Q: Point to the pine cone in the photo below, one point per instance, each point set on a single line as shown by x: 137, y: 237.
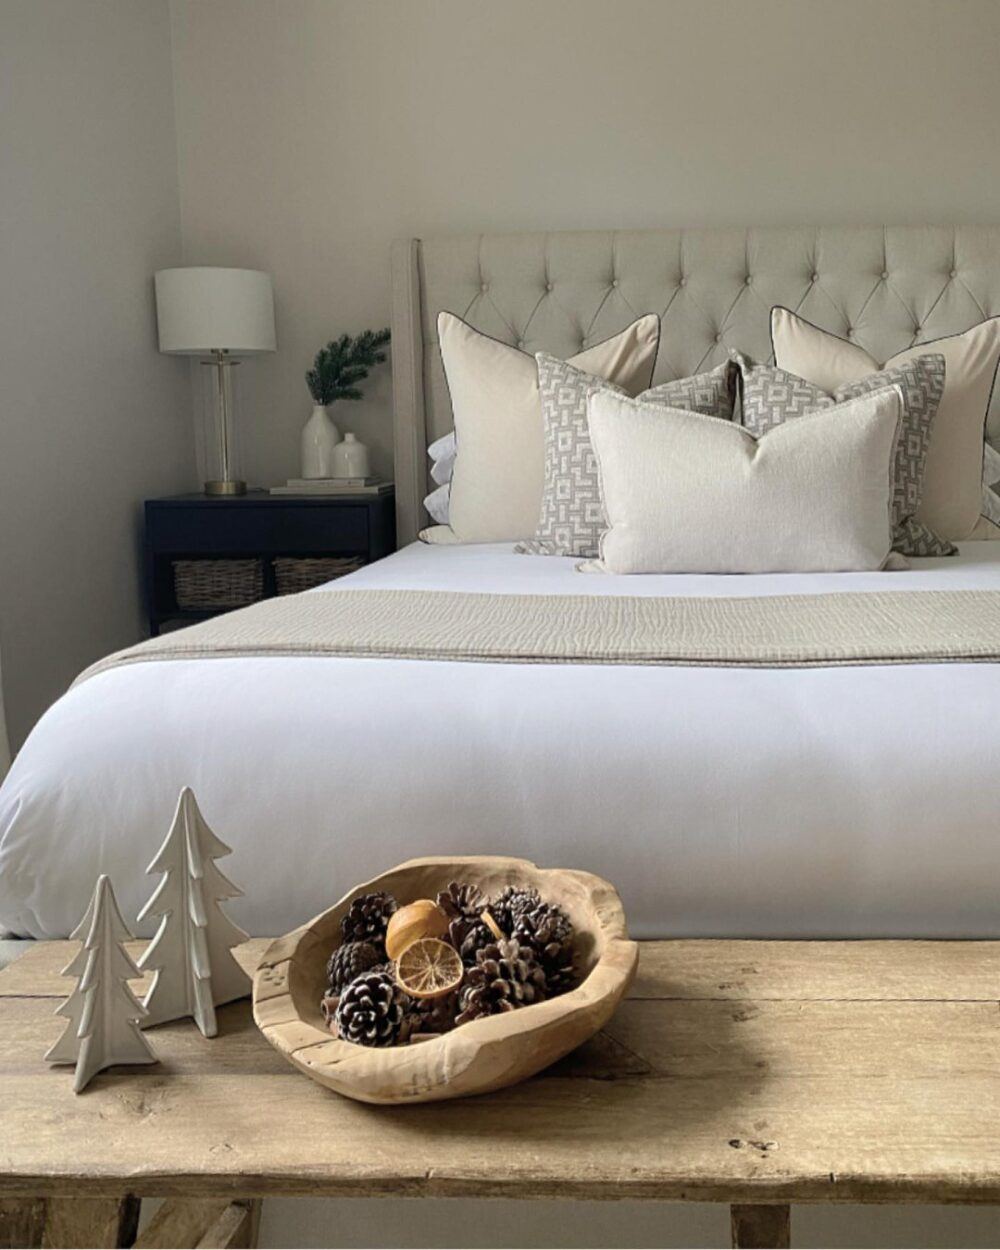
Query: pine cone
x: 348, y: 961
x: 505, y: 976
x: 372, y: 1010
x: 548, y: 918
x: 431, y: 1015
x: 469, y: 936
x: 548, y: 931
x: 461, y: 902
x: 510, y: 904
x: 367, y: 918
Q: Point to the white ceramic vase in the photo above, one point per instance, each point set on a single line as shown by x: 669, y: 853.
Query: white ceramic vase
x: 350, y: 458
x: 319, y: 437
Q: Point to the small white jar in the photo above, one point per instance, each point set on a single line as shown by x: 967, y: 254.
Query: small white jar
x: 350, y: 458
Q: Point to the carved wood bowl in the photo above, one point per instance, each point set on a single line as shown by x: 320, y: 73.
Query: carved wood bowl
x: 474, y: 1058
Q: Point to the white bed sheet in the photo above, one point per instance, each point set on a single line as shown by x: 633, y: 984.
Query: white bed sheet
x: 817, y: 802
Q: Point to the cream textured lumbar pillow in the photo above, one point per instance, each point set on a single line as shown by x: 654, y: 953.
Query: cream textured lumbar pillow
x: 952, y: 494
x: 686, y: 493
x: 496, y: 485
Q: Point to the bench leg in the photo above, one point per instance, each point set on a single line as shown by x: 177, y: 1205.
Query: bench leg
x: 235, y: 1229
x: 98, y: 1222
x: 211, y: 1224
x: 21, y: 1222
x: 760, y: 1226
x: 112, y: 1223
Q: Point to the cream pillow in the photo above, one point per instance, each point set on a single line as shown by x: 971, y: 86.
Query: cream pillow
x: 952, y: 495
x: 496, y: 485
x: 686, y: 493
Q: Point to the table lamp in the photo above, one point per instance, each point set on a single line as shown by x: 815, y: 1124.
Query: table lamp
x: 219, y: 314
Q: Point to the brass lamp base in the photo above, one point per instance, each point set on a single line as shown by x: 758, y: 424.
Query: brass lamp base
x: 226, y: 488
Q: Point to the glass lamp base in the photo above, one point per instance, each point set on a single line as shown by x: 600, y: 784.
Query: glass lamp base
x: 225, y: 488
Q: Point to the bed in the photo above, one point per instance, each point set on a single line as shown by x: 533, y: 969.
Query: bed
x: 857, y: 801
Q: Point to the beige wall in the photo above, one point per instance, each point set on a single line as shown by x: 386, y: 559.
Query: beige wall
x: 92, y: 418
x: 311, y: 132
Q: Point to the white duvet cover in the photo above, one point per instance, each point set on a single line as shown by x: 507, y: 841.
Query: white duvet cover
x: 814, y: 802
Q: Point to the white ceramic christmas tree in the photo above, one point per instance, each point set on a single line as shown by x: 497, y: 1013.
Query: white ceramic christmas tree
x: 190, y: 956
x: 102, y: 1011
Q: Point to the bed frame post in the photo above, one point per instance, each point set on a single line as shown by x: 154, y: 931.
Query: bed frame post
x: 409, y: 435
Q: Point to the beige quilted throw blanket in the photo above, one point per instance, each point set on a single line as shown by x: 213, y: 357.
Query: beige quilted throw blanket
x: 783, y: 631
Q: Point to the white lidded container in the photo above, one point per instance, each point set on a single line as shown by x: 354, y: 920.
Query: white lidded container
x: 350, y: 458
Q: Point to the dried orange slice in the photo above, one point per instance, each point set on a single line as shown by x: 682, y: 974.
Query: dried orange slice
x: 411, y: 923
x: 429, y: 968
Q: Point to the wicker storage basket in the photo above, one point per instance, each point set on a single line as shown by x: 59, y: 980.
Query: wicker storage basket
x: 292, y: 575
x: 202, y: 585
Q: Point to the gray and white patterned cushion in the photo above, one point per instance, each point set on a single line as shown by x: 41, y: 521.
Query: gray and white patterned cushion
x: 572, y: 518
x: 771, y: 396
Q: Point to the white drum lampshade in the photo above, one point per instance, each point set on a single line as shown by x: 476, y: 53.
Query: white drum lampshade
x: 219, y: 314
x: 200, y: 310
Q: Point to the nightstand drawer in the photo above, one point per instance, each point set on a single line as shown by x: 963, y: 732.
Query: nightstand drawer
x: 270, y: 527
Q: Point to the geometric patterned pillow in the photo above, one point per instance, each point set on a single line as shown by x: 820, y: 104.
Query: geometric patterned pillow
x: 772, y: 396
x: 572, y: 516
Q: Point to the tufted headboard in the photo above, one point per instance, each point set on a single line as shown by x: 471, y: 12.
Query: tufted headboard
x: 884, y: 287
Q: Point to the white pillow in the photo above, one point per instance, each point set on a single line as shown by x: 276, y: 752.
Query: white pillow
x: 436, y: 504
x: 441, y: 454
x: 442, y: 457
x: 496, y: 485
x: 952, y: 491
x: 686, y: 493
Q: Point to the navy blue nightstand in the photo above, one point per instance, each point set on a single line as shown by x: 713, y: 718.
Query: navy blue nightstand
x: 257, y: 526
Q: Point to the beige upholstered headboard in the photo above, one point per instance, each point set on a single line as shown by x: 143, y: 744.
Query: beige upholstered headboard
x: 885, y: 287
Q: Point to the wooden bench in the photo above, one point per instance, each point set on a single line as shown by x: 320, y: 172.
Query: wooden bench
x: 753, y: 1073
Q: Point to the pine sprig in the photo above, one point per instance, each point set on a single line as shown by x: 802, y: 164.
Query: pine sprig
x: 343, y: 363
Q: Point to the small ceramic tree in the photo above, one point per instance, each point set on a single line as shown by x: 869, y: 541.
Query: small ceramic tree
x: 67, y: 1049
x: 190, y: 956
x: 102, y: 1011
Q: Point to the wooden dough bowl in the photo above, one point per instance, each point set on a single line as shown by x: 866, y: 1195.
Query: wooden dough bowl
x: 483, y: 1055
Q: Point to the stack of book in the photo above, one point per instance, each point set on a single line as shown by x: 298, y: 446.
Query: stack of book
x: 333, y: 486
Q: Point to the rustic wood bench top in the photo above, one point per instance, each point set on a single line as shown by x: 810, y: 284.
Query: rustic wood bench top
x: 739, y: 1072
